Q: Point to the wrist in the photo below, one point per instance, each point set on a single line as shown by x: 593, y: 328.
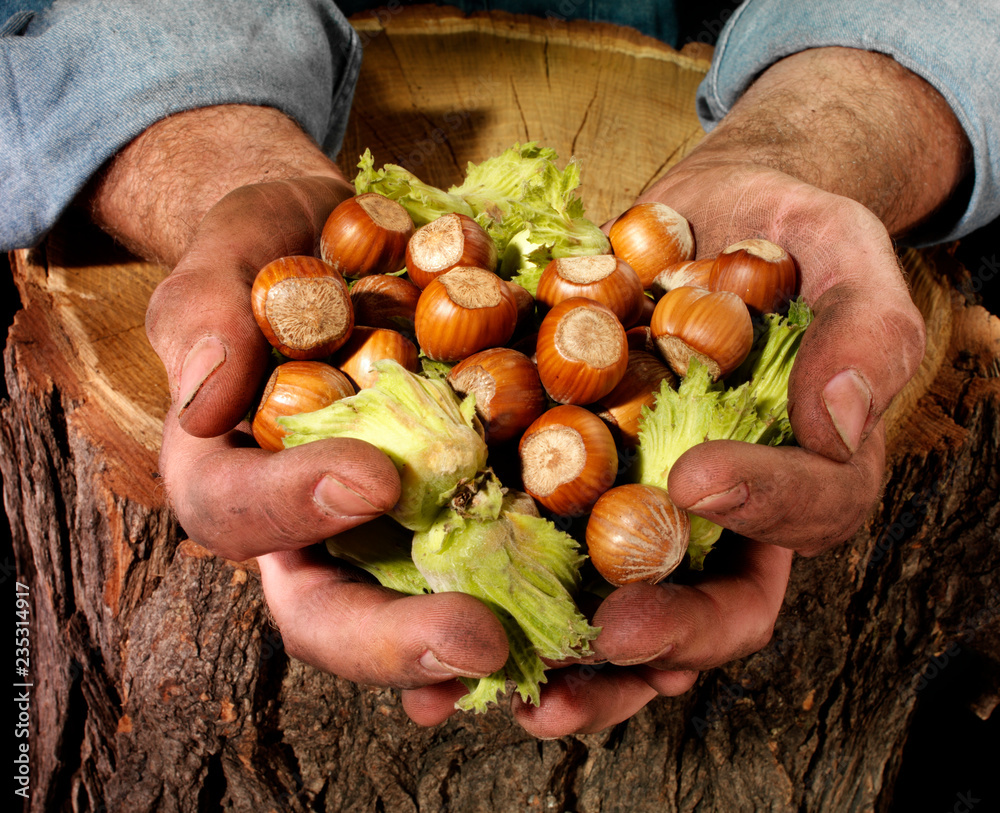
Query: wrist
x: 153, y: 195
x: 850, y: 122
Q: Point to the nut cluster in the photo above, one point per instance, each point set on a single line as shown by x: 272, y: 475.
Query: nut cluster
x: 563, y: 373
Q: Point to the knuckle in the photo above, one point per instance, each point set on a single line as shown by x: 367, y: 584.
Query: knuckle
x: 295, y: 648
x: 761, y: 638
x: 156, y: 307
x: 906, y: 335
x: 167, y: 314
x: 224, y: 545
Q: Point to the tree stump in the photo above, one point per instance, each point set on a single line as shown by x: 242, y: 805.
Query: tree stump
x: 157, y: 683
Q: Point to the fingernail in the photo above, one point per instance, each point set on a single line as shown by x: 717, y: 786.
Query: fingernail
x: 202, y: 360
x: 334, y: 496
x: 666, y: 653
x: 723, y: 501
x: 434, y: 667
x: 848, y: 401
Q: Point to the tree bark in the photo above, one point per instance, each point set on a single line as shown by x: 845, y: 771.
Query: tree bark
x: 158, y: 682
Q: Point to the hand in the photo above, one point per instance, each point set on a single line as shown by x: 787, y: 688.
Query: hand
x: 241, y: 501
x: 238, y: 500
x: 810, y: 159
x: 655, y: 639
x: 336, y: 620
x: 864, y: 344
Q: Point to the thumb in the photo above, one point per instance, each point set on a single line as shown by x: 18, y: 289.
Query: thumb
x: 199, y: 320
x: 857, y: 354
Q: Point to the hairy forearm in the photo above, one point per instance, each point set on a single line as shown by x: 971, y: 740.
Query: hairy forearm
x: 851, y: 122
x: 153, y: 194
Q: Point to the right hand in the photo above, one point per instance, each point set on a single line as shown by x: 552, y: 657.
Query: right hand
x: 240, y: 501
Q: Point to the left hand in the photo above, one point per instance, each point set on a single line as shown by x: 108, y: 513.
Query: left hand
x: 863, y: 346
x: 805, y: 498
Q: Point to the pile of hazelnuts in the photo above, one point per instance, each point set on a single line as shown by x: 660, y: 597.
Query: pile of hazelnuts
x: 564, y: 374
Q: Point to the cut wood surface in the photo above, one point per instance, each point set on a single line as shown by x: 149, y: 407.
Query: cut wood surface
x: 438, y: 91
x: 159, y: 684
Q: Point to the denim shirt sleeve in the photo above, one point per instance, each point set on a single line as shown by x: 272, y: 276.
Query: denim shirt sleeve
x: 79, y: 80
x: 953, y: 44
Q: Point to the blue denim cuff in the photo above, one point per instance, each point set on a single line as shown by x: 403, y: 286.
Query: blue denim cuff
x: 953, y: 44
x: 85, y: 78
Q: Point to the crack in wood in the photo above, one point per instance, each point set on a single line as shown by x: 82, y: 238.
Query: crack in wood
x: 583, y: 122
x: 520, y: 110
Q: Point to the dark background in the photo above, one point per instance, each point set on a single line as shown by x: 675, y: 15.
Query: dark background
x: 951, y: 752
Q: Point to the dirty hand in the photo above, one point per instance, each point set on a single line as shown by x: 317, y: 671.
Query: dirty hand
x: 238, y: 187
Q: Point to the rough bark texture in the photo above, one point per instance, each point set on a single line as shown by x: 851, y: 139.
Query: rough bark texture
x: 159, y: 684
